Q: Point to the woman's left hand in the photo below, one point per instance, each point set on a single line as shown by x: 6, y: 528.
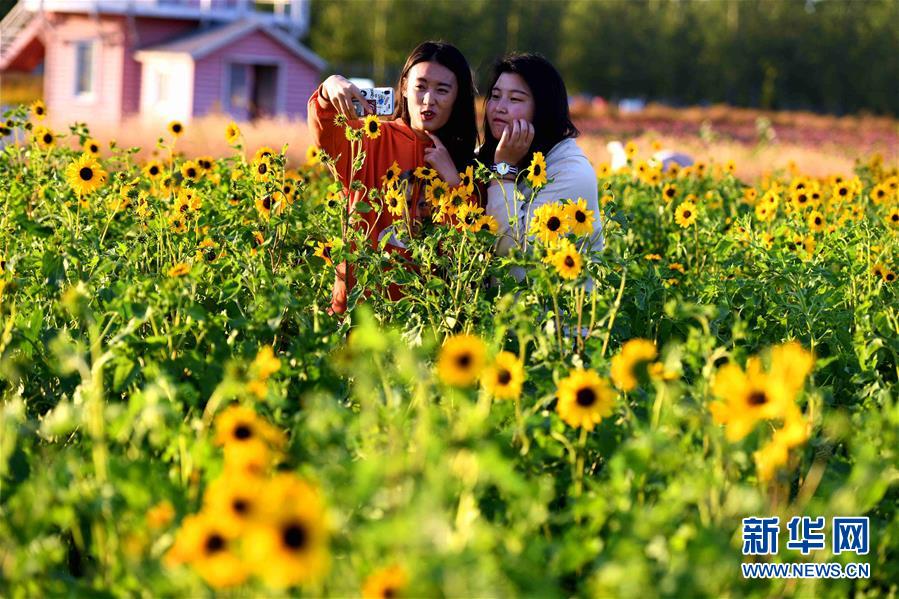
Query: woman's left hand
x: 440, y: 160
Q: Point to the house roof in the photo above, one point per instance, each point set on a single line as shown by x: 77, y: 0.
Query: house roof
x: 200, y: 44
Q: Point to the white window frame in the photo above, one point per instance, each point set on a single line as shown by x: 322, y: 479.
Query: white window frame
x: 90, y: 94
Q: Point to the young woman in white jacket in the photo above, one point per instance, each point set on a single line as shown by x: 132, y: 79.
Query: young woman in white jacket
x: 527, y: 111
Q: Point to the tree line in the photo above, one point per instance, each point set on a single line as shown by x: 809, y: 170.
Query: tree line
x: 836, y: 56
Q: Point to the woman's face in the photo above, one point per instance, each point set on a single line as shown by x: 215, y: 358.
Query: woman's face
x: 510, y: 99
x: 430, y: 90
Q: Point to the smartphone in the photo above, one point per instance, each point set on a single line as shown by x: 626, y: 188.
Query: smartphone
x: 379, y: 98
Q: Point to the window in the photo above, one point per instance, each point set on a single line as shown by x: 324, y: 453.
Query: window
x: 84, y: 67
x: 162, y: 87
x: 238, y: 92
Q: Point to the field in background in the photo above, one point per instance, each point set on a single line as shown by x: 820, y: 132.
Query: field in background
x: 759, y: 142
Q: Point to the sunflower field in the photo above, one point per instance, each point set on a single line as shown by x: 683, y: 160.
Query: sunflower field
x: 183, y: 416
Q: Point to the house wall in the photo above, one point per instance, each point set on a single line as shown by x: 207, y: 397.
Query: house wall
x: 296, y: 78
x: 146, y: 32
x: 104, y: 104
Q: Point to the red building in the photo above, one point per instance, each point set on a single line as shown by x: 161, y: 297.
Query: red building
x: 105, y: 60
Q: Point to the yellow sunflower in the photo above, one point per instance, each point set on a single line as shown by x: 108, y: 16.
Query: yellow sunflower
x: 436, y: 191
x: 395, y: 201
x: 537, y: 171
x: 232, y: 134
x: 892, y: 218
x: 176, y: 128
x: 85, y: 175
x: 154, y: 169
x: 288, y: 544
x: 190, y: 170
x: 233, y: 501
x: 264, y: 152
x: 91, y: 146
x: 566, y: 260
x: 747, y: 397
x: 39, y: 110
x: 461, y: 360
x: 467, y: 214
x: 425, y: 172
x: 584, y: 399
x: 816, y: 221
x: 504, y: 377
x: 386, y: 583
x: 685, y: 215
x: 179, y: 270
x: 269, y: 203
x: 580, y: 219
x: 486, y: 223
x: 262, y: 168
x: 549, y: 223
x: 467, y: 179
x: 44, y: 137
x: 203, y: 543
x: 323, y: 250
x: 391, y: 175
x: 630, y: 364
x: 372, y: 126
x: 669, y: 192
x: 313, y: 155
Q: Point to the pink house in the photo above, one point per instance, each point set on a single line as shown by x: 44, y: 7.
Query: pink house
x: 105, y: 60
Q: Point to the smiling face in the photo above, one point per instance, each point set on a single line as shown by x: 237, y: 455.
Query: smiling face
x: 430, y: 90
x: 510, y: 99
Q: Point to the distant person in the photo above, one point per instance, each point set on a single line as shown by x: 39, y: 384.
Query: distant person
x: 526, y: 111
x: 664, y: 158
x: 433, y: 124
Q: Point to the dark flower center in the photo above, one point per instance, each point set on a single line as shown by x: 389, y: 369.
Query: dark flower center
x: 757, y: 398
x: 94, y: 149
x: 537, y: 170
x: 687, y: 213
x: 240, y: 506
x: 553, y: 223
x: 373, y: 127
x: 267, y: 202
x: 154, y: 170
x: 504, y: 377
x: 86, y: 173
x: 569, y: 261
x: 263, y: 168
x: 585, y: 397
x: 890, y: 277
x: 214, y: 543
x: 48, y: 138
x: 176, y: 128
x: 463, y: 360
x: 670, y: 192
x: 294, y: 536
x: 210, y: 255
x: 242, y: 431
x: 191, y: 173
x: 580, y: 217
x: 817, y: 220
x: 843, y: 191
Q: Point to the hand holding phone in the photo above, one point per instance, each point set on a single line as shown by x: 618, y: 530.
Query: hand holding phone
x: 378, y: 99
x: 341, y: 94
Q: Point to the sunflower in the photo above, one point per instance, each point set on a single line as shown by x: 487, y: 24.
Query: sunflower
x: 190, y: 170
x: 879, y: 193
x: 892, y: 218
x: 769, y: 459
x: 206, y: 162
x: 232, y: 133
x: 265, y: 363
x: 262, y: 168
x: 685, y: 215
x: 584, y: 399
x: 467, y: 179
x: 323, y: 250
x: 85, y: 175
x: 888, y: 276
x: 395, y: 201
x: 537, y: 171
x: 461, y: 360
x: 669, y: 192
x: 233, y: 501
x: 425, y: 172
x: 486, y: 223
x: 436, y: 192
x: 208, y: 250
x: 504, y: 377
x: 44, y: 137
x: 264, y: 152
x: 747, y: 397
x: 176, y: 128
x: 179, y: 270
x: 630, y: 364
x: 154, y: 169
x: 372, y: 126
x: 39, y: 110
x: 549, y: 223
x: 178, y: 223
x: 91, y: 146
x: 791, y: 363
x: 467, y: 214
x: 456, y: 200
x: 630, y: 149
x: 815, y: 221
x: 288, y: 543
x: 203, y: 543
x: 567, y: 260
x: 271, y: 203
x: 313, y: 155
x: 579, y: 217
x: 750, y: 195
x: 386, y: 583
x: 391, y: 175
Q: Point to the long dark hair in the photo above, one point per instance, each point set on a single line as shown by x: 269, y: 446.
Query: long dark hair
x: 552, y: 121
x: 460, y: 133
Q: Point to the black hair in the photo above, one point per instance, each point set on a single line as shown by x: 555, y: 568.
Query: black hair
x: 552, y: 120
x: 460, y: 133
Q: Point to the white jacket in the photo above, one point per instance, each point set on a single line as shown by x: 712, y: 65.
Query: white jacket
x: 572, y: 177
